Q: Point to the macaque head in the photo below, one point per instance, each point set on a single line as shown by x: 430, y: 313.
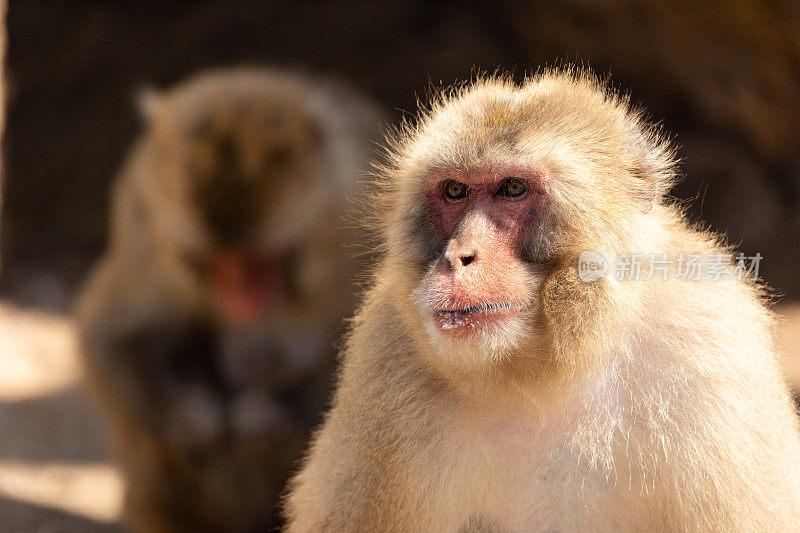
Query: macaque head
x: 242, y: 183
x: 498, y: 187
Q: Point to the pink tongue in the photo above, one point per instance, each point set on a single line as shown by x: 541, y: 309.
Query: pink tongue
x: 243, y: 283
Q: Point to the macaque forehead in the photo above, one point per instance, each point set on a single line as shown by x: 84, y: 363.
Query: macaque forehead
x: 468, y: 150
x: 497, y: 120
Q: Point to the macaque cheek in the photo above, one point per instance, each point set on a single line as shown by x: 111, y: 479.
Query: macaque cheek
x: 244, y: 284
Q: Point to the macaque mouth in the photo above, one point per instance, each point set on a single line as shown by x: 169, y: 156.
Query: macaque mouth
x: 484, y: 308
x: 244, y: 283
x: 474, y: 318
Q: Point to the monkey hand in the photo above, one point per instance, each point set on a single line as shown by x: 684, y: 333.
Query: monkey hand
x: 194, y: 419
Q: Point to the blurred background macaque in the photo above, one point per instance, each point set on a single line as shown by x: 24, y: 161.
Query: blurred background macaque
x: 209, y: 325
x: 720, y: 75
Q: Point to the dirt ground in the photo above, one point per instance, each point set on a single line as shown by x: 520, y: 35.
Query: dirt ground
x: 54, y: 470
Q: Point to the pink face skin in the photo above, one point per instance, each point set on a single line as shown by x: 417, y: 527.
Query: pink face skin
x: 480, y: 281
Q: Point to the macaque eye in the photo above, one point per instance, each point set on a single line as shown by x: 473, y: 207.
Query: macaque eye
x: 512, y: 187
x: 455, y: 190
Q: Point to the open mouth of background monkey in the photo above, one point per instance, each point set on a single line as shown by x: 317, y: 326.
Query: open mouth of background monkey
x: 244, y: 283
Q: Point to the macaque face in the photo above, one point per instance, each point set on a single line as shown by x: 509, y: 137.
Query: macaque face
x: 478, y: 289
x: 497, y: 188
x: 243, y: 176
x: 492, y: 192
x: 240, y: 181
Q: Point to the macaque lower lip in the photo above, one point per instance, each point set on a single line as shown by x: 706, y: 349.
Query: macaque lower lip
x: 491, y: 308
x: 469, y: 320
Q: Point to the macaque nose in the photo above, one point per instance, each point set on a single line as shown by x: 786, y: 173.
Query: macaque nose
x: 460, y: 259
x: 467, y: 259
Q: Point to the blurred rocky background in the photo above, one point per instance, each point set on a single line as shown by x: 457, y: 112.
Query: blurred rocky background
x: 723, y: 76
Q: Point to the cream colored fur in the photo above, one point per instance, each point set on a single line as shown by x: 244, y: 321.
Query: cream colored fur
x: 619, y: 406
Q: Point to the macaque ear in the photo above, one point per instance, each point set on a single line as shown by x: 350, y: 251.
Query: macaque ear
x: 147, y: 100
x: 653, y: 164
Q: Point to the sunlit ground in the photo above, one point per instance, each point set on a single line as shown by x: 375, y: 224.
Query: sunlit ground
x: 54, y: 472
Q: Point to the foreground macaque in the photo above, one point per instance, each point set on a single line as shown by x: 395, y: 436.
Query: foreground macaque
x: 208, y: 327
x: 491, y: 382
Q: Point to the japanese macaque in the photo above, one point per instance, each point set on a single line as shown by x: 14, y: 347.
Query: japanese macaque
x: 208, y: 326
x: 487, y: 385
